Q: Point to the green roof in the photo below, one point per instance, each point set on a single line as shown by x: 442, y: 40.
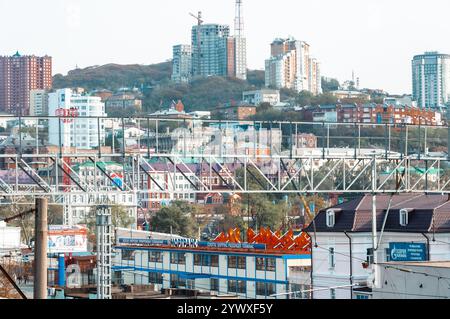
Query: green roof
x: 17, y: 55
x: 102, y: 165
x: 417, y: 170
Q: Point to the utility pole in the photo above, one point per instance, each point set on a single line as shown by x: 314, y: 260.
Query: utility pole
x: 104, y: 252
x: 374, y: 222
x: 40, y: 249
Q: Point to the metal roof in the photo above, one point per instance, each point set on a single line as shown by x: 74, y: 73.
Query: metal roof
x: 428, y: 213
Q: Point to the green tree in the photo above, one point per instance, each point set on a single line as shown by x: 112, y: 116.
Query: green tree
x: 329, y: 85
x: 179, y: 217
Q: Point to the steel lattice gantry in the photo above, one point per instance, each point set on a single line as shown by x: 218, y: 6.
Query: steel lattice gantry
x: 222, y: 157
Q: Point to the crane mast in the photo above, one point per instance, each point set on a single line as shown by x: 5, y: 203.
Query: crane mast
x: 200, y: 21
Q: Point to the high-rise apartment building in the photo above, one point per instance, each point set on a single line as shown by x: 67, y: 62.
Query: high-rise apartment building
x: 315, y: 83
x: 84, y: 132
x: 19, y: 75
x: 290, y: 66
x: 214, y: 52
x: 182, y: 63
x: 38, y: 103
x: 431, y: 79
x: 209, y: 50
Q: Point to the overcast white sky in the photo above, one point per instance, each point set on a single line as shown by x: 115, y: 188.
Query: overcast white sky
x: 376, y: 38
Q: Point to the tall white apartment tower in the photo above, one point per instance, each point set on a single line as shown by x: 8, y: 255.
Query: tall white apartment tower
x: 182, y: 63
x: 84, y: 132
x: 290, y: 66
x: 431, y: 79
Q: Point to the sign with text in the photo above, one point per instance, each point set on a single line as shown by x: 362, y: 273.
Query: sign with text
x: 408, y: 252
x: 62, y: 239
x: 188, y: 243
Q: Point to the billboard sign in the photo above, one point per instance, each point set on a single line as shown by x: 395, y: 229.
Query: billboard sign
x: 408, y: 252
x: 63, y: 239
x: 118, y: 179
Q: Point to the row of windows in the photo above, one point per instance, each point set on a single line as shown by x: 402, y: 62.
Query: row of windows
x: 233, y: 286
x: 234, y: 262
x: 206, y: 260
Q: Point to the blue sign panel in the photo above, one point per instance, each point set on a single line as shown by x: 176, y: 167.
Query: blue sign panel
x: 408, y: 252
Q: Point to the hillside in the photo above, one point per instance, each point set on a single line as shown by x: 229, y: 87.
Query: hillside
x: 114, y: 76
x: 201, y: 94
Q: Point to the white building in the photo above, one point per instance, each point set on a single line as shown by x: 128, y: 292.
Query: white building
x: 291, y: 66
x: 83, y: 133
x: 182, y: 63
x: 431, y: 79
x: 261, y: 96
x: 9, y: 239
x: 81, y: 205
x: 166, y: 183
x: 342, y: 256
x: 222, y: 268
x: 38, y: 103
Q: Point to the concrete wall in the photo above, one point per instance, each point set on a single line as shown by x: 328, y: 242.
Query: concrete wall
x: 397, y: 284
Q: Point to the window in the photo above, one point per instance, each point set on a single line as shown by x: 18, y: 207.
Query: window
x: 214, y: 260
x: 237, y: 286
x: 155, y: 278
x: 242, y: 263
x: 177, y: 282
x: 260, y: 264
x: 232, y: 262
x: 331, y: 218
x: 270, y: 264
x: 265, y: 289
x: 370, y: 256
x: 214, y: 284
x: 155, y: 257
x: 128, y: 255
x: 197, y: 260
x: 362, y: 297
x: 202, y: 260
x: 265, y: 264
x: 404, y: 217
x: 178, y: 258
x: 331, y: 259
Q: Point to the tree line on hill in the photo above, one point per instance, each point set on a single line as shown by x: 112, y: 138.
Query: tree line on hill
x: 159, y: 92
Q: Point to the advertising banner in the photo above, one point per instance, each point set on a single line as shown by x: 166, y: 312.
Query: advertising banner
x: 62, y: 239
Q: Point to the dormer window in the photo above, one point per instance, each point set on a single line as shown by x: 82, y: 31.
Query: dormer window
x: 331, y: 218
x: 404, y: 217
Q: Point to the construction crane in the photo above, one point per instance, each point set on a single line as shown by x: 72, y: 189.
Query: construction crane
x: 200, y: 21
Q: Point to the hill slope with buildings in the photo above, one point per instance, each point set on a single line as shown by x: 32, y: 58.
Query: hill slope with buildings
x: 158, y: 90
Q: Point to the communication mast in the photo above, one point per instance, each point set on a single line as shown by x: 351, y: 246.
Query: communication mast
x: 200, y: 21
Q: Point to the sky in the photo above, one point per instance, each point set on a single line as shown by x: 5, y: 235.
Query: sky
x: 374, y: 38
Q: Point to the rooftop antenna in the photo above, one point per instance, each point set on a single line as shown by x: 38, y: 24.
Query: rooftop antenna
x: 239, y: 19
x: 200, y: 21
